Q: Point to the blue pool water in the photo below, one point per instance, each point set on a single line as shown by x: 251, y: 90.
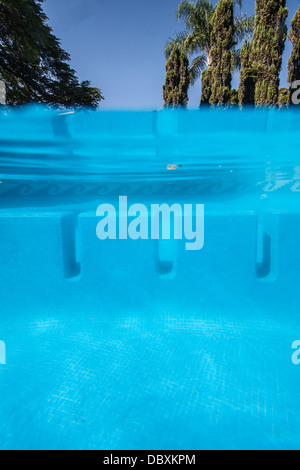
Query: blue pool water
x: 141, y: 344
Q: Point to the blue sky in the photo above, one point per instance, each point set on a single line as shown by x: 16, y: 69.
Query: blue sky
x: 118, y: 45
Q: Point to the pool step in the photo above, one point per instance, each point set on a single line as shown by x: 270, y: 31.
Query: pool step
x: 247, y: 252
x: 166, y: 258
x: 70, y: 246
x: 267, y: 247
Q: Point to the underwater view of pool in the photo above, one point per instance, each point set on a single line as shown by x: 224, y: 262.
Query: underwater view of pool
x: 114, y: 336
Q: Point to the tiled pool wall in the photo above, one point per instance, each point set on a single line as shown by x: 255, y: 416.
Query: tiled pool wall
x: 53, y: 259
x: 124, y: 344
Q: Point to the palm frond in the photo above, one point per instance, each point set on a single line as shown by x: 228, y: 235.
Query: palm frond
x: 185, y: 10
x: 178, y: 41
x: 196, y: 42
x: 195, y: 15
x: 198, y: 64
x: 244, y: 26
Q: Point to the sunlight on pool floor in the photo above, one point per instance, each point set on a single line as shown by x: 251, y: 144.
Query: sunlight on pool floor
x: 153, y: 382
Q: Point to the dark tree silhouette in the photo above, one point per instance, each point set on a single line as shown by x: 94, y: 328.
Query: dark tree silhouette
x: 33, y: 65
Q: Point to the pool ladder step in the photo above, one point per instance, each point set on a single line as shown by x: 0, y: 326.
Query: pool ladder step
x: 167, y: 251
x: 166, y: 258
x: 70, y: 246
x: 267, y: 247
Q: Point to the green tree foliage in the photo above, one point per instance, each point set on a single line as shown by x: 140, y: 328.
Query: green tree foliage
x: 222, y: 59
x: 175, y: 89
x: 206, y: 81
x: 294, y: 62
x: 32, y: 63
x: 198, y: 39
x: 261, y: 60
x: 248, y: 77
x: 234, y: 97
x: 283, y: 97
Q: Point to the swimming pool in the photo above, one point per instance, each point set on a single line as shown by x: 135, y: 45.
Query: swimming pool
x: 144, y: 344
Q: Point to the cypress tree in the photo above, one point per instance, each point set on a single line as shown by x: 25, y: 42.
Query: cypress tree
x: 246, y: 90
x: 294, y: 62
x: 283, y: 97
x: 234, y: 97
x: 175, y: 89
x: 206, y: 85
x: 222, y: 59
x: 262, y: 59
x: 197, y: 39
x: 33, y: 65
